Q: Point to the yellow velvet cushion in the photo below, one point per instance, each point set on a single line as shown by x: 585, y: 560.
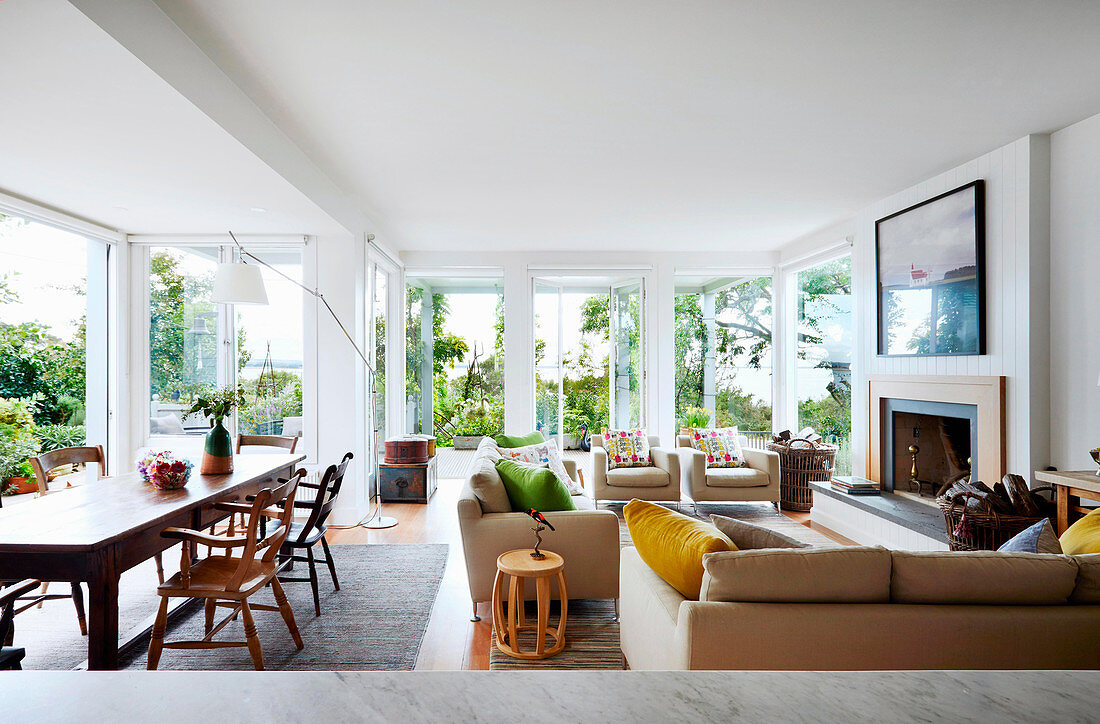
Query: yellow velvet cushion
x: 673, y: 545
x: 1083, y: 536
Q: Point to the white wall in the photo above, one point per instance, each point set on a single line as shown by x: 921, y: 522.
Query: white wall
x: 660, y: 270
x: 1075, y: 294
x: 1017, y: 294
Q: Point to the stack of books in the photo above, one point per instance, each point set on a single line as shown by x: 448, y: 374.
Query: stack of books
x: 855, y: 485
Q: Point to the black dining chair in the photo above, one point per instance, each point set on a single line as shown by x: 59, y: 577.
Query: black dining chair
x: 304, y: 536
x: 11, y: 657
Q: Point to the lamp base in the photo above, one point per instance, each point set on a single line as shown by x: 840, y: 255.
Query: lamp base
x: 383, y: 521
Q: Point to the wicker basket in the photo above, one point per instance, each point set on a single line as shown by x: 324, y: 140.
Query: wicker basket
x: 982, y: 530
x: 802, y: 462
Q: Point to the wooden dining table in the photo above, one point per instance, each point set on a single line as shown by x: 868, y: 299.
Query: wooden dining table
x: 94, y: 532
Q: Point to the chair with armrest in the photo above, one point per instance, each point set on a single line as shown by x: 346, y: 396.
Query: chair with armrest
x: 10, y: 656
x: 306, y: 535
x: 700, y: 484
x: 227, y: 580
x: 658, y: 482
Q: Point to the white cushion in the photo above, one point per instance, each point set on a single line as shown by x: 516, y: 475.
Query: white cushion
x: 736, y: 478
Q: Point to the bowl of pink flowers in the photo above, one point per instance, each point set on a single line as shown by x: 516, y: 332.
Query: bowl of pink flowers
x: 164, y: 471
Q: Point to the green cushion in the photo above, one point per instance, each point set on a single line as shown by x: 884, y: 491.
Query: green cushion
x: 532, y: 487
x: 531, y: 438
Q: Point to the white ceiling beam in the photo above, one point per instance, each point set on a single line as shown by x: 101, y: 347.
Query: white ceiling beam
x: 152, y: 37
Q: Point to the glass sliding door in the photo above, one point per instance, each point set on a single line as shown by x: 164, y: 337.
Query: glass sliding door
x: 548, y: 358
x: 269, y: 342
x: 723, y: 352
x: 823, y: 365
x: 53, y: 342
x: 185, y: 358
x: 627, y: 363
x: 455, y: 369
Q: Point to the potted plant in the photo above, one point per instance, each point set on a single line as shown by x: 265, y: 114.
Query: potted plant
x: 472, y: 427
x: 694, y: 417
x: 15, y: 469
x: 217, y: 453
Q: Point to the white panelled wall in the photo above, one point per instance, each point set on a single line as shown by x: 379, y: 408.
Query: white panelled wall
x: 1017, y: 192
x: 1075, y: 294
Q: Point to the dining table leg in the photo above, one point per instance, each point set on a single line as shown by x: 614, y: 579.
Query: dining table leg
x: 103, y: 618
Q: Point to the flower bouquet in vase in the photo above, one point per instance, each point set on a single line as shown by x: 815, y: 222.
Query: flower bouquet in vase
x: 217, y: 453
x: 164, y: 471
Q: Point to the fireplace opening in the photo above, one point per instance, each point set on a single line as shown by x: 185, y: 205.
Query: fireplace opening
x: 927, y: 444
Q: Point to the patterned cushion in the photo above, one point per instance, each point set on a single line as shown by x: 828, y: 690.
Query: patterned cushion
x: 545, y: 453
x: 722, y: 446
x: 626, y: 449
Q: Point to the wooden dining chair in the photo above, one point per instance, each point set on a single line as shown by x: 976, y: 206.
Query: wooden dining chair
x: 304, y: 536
x: 45, y: 463
x: 228, y: 580
x: 280, y: 441
x: 11, y: 657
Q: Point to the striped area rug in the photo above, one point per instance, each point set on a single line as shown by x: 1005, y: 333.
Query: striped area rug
x: 591, y: 640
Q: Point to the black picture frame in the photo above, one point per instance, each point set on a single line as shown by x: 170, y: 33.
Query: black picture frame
x: 882, y: 323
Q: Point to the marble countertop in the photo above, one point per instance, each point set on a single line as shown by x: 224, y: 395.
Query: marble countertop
x: 549, y: 696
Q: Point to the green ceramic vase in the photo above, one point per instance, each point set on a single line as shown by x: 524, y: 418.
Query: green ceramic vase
x: 217, y: 454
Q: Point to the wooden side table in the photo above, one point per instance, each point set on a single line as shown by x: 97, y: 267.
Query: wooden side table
x: 520, y: 565
x: 1069, y: 487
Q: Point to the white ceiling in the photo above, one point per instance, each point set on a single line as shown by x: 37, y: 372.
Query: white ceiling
x: 88, y: 129
x: 645, y: 125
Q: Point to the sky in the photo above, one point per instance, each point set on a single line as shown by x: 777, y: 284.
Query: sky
x: 43, y: 265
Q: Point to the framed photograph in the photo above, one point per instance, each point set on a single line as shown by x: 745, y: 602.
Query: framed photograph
x: 930, y: 264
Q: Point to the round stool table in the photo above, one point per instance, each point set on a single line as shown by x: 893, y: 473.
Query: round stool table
x: 520, y: 565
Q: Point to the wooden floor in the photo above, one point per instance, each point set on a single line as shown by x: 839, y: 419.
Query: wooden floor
x: 452, y: 640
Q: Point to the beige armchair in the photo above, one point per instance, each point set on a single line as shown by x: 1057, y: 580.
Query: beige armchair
x: 759, y: 481
x: 661, y: 482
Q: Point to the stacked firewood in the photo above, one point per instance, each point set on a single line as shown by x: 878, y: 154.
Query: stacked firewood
x: 1011, y: 496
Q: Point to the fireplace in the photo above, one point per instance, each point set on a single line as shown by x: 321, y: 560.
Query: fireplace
x: 955, y: 417
x: 926, y: 444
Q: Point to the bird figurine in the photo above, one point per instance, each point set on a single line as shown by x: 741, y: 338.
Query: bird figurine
x: 586, y: 443
x: 541, y: 523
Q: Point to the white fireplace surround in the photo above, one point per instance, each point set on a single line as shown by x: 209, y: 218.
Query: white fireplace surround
x: 986, y: 393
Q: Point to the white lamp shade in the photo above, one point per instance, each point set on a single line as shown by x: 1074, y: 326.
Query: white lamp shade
x: 239, y: 284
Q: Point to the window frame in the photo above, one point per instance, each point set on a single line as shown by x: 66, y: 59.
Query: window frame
x: 140, y: 246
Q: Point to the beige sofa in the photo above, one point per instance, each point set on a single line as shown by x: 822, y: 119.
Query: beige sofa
x: 587, y: 538
x: 660, y: 482
x: 866, y: 608
x: 758, y: 481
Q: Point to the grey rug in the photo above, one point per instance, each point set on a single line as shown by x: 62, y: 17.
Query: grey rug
x: 375, y: 622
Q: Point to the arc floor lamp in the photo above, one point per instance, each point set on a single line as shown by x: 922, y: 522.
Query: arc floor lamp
x: 242, y: 283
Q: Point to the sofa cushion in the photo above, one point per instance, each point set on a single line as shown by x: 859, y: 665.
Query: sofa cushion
x: 626, y: 449
x: 673, y: 545
x: 1087, y: 589
x: 982, y: 577
x: 530, y: 486
x: 583, y: 502
x: 637, y: 478
x: 736, y: 478
x: 722, y: 446
x: 543, y: 453
x: 1083, y: 536
x: 486, y: 484
x: 804, y: 575
x: 1038, y: 538
x: 531, y: 438
x: 749, y: 537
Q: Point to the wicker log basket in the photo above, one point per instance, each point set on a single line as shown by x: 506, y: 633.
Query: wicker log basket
x: 802, y: 462
x: 981, y: 529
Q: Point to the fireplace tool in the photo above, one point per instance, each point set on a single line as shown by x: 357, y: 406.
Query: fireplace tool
x: 541, y: 524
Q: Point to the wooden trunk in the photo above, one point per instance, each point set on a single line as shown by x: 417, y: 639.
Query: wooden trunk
x: 407, y: 482
x: 409, y: 449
